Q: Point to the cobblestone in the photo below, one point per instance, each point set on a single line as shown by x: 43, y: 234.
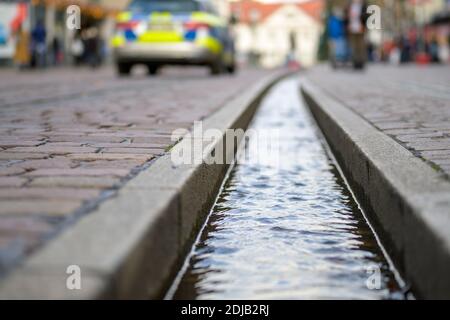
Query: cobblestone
x: 39, y: 207
x: 75, y: 182
x: 12, y: 181
x: 68, y: 136
x: 410, y: 104
x: 53, y: 193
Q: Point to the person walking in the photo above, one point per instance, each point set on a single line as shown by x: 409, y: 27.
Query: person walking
x: 22, y: 52
x: 337, y: 42
x: 57, y: 54
x: 39, y: 45
x: 92, y: 46
x: 77, y: 49
x: 356, y: 21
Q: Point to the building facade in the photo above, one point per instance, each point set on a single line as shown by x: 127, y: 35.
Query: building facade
x: 273, y: 33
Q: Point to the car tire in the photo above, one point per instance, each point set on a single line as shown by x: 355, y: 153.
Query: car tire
x: 124, y: 69
x: 216, y: 68
x: 231, y: 69
x: 153, y: 70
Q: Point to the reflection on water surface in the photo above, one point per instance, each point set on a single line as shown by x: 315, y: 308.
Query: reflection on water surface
x: 286, y: 227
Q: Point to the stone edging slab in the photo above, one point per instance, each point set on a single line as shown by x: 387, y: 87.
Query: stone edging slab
x: 406, y: 200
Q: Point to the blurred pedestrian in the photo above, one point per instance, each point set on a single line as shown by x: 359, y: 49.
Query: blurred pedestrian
x: 22, y: 53
x: 57, y: 55
x: 77, y: 49
x: 405, y: 50
x: 356, y: 21
x: 39, y: 45
x: 3, y: 35
x: 92, y: 47
x: 291, y: 59
x: 395, y: 54
x: 433, y: 49
x: 443, y: 50
x: 337, y: 42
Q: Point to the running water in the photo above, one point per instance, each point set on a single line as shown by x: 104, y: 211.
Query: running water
x: 286, y: 226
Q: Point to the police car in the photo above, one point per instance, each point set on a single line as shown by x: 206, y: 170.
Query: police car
x: 173, y: 32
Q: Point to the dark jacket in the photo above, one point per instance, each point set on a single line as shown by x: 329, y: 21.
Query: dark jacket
x: 364, y: 16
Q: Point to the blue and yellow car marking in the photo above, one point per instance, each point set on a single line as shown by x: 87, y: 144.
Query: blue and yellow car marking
x: 209, y: 40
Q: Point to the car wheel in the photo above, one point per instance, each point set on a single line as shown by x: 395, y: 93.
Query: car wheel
x: 216, y: 67
x: 124, y: 69
x: 231, y: 69
x: 153, y: 70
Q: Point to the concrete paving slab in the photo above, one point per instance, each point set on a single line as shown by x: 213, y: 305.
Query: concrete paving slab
x: 406, y: 200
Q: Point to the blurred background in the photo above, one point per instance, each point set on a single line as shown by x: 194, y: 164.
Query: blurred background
x: 267, y: 33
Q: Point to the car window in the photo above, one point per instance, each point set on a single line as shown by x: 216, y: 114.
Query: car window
x: 146, y: 6
x: 207, y: 6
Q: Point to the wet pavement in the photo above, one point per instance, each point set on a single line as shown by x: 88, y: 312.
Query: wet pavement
x: 285, y: 225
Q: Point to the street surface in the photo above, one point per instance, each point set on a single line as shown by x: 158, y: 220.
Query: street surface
x: 70, y: 137
x: 411, y: 104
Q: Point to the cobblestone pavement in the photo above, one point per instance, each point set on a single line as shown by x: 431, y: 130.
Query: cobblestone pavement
x: 69, y: 138
x: 411, y: 104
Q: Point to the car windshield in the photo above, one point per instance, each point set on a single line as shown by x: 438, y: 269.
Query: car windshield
x: 146, y: 6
